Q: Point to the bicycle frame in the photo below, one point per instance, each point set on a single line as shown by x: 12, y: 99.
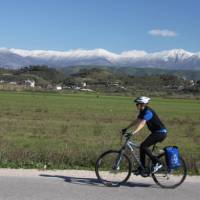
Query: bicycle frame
x: 131, y: 146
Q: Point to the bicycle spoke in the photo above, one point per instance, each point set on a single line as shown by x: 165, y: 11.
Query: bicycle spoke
x: 170, y: 178
x: 113, y: 168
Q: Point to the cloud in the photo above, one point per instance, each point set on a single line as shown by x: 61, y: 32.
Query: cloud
x: 163, y: 33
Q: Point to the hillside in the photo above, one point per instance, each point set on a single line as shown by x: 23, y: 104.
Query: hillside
x: 42, y: 75
x: 188, y: 74
x: 103, y: 79
x: 113, y: 81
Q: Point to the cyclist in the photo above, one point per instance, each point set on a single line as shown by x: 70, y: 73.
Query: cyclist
x: 158, y: 131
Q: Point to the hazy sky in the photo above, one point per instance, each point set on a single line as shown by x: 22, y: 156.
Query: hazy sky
x: 115, y: 25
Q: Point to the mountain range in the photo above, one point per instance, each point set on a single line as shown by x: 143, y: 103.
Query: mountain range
x: 171, y: 59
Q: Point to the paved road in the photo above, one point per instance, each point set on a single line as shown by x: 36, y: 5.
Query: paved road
x: 82, y: 185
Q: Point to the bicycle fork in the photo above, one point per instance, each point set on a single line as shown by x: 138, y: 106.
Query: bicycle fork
x: 116, y: 165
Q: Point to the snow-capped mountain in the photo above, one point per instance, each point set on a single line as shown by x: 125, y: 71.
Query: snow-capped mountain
x: 172, y: 59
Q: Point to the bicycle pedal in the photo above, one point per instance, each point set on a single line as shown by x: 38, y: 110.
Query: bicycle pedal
x: 144, y: 174
x: 136, y: 173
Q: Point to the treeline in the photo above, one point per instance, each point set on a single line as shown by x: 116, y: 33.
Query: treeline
x: 107, y: 80
x: 101, y: 80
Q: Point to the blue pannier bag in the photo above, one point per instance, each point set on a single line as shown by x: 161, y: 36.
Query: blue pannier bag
x: 172, y: 157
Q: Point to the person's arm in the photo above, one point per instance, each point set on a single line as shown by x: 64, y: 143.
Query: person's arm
x: 133, y: 123
x: 140, y: 124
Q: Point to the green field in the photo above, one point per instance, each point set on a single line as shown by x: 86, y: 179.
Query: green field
x: 71, y: 130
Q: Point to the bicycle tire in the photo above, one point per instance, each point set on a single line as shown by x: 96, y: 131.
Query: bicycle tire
x: 170, y: 172
x: 98, y: 167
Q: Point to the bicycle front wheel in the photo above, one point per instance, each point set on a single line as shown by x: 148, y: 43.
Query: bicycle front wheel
x: 113, y: 168
x: 170, y: 178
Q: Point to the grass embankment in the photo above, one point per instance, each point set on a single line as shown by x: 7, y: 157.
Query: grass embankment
x: 71, y: 130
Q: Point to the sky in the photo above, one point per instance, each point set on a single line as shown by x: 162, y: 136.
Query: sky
x: 114, y: 25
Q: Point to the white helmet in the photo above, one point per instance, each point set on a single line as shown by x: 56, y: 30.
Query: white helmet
x: 142, y: 100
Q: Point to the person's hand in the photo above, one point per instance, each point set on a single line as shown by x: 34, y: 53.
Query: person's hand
x: 123, y: 131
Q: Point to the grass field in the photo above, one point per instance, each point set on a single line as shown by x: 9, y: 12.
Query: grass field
x: 71, y: 130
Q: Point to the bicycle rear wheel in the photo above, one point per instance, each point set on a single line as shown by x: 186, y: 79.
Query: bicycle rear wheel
x: 113, y: 168
x: 170, y: 178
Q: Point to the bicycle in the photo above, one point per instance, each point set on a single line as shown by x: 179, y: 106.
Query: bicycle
x: 114, y: 167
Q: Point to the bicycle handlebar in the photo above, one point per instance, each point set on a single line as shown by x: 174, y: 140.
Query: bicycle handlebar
x: 128, y: 134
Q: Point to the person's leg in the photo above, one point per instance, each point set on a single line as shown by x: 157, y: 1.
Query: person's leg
x: 149, y: 141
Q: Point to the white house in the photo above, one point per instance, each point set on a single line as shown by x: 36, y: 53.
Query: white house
x: 30, y: 83
x: 84, y: 84
x: 58, y: 87
x: 13, y: 83
x: 191, y: 83
x: 87, y: 90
